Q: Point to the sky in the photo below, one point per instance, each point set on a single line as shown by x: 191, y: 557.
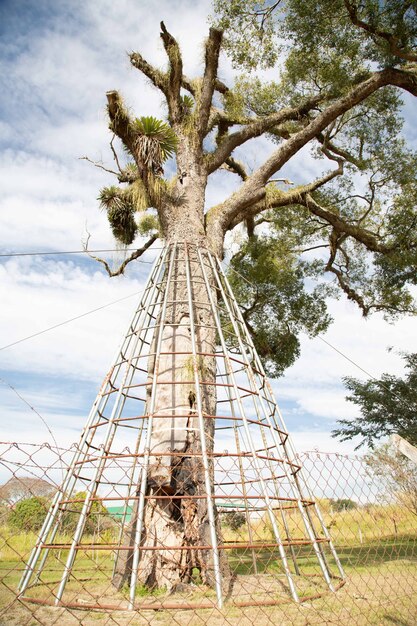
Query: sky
x: 57, y: 60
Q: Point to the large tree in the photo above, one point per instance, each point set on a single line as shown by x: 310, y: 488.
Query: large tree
x: 341, y: 68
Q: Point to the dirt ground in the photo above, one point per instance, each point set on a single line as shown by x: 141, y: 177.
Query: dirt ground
x: 385, y: 596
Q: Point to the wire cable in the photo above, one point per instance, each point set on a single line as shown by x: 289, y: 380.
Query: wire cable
x: 17, y: 254
x: 32, y: 408
x: 72, y: 319
x: 378, y: 380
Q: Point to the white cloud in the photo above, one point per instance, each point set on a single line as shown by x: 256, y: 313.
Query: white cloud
x: 57, y: 78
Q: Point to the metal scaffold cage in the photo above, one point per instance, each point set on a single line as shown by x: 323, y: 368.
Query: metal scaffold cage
x: 184, y: 490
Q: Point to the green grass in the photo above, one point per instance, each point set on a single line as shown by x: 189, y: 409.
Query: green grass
x: 381, y: 570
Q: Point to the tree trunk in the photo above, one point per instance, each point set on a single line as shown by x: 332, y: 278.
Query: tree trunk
x: 172, y: 520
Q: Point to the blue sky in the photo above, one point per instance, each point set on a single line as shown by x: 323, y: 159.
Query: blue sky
x: 57, y: 61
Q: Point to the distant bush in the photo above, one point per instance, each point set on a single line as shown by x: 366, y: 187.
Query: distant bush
x: 29, y: 514
x: 97, y: 520
x: 234, y: 520
x: 343, y: 504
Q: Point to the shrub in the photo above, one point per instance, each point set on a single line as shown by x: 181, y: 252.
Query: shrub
x: 29, y: 514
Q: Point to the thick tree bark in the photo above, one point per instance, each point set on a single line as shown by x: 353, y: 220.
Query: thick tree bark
x: 176, y: 467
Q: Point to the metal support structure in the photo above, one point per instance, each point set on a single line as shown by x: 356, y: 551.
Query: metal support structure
x: 259, y: 474
x: 294, y: 487
x: 143, y: 482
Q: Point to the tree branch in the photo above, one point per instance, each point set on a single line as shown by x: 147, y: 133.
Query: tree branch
x: 382, y: 34
x: 210, y: 72
x: 232, y: 165
x: 351, y: 293
x: 115, y: 155
x: 340, y: 226
x: 120, y: 122
x: 286, y: 198
x: 253, y: 189
x: 120, y: 270
x: 157, y: 78
x: 254, y: 128
x: 98, y: 164
x: 172, y: 92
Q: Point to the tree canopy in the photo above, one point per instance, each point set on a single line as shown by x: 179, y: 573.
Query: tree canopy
x: 387, y: 405
x: 337, y: 74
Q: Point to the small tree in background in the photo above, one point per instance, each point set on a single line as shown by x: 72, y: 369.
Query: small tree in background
x: 29, y: 514
x: 398, y: 473
x: 388, y: 406
x: 343, y: 504
x: 95, y: 520
x: 234, y: 520
x: 24, y: 487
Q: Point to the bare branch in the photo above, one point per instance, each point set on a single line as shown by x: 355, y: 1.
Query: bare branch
x: 210, y: 72
x: 115, y: 154
x: 170, y: 82
x: 232, y: 165
x: 98, y: 164
x: 120, y: 270
x: 158, y: 78
x: 172, y: 92
x: 220, y: 86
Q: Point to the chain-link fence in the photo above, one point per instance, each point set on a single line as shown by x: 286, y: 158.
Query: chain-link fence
x: 369, y: 511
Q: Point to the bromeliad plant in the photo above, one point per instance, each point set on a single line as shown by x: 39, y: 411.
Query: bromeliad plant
x: 151, y: 142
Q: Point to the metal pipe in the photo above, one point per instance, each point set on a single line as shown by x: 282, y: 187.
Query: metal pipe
x: 249, y: 438
x: 142, y: 489
x: 210, y: 505
x: 306, y: 518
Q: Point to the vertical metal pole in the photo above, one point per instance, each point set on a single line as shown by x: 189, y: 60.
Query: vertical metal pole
x: 144, y: 476
x: 282, y: 511
x: 129, y: 492
x: 208, y: 485
x: 245, y: 495
x: 247, y: 430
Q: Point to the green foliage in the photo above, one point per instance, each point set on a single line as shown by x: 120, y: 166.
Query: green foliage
x: 398, y: 473
x: 157, y: 139
x: 234, y: 520
x: 29, y: 514
x: 98, y: 513
x: 250, y: 28
x: 322, y: 31
x: 120, y: 213
x: 187, y: 104
x: 148, y: 224
x: 269, y: 283
x: 387, y: 406
x: 343, y: 504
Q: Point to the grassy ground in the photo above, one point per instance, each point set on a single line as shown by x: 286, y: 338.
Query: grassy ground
x: 380, y: 562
